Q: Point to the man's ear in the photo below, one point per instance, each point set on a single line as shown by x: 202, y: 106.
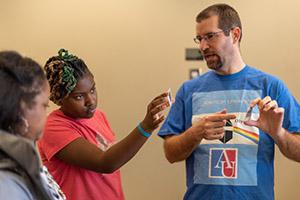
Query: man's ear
x: 236, y: 34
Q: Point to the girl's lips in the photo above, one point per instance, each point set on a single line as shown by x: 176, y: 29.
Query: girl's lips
x: 91, y: 110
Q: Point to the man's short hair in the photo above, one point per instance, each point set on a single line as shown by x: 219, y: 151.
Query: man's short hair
x: 228, y: 17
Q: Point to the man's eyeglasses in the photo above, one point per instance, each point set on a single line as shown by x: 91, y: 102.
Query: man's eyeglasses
x: 207, y: 37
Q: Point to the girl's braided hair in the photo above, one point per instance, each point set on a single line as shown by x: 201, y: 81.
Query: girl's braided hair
x: 63, y: 72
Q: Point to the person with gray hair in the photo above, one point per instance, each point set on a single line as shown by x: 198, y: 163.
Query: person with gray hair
x: 24, y: 93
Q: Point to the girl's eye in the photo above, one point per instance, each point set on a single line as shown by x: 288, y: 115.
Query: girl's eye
x: 78, y: 97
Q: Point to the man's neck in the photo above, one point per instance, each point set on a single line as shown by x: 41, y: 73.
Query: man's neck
x: 233, y: 66
x: 227, y: 70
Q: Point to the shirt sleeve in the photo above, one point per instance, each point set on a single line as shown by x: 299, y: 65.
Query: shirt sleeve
x: 291, y: 107
x: 103, y: 118
x: 176, y: 120
x: 58, y: 133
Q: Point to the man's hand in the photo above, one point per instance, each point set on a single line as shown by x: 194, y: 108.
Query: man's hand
x: 270, y: 117
x: 211, y: 127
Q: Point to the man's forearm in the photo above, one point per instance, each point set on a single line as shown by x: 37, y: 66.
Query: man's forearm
x: 179, y: 147
x: 289, y: 144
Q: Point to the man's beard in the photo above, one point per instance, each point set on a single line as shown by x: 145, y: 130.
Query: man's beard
x: 214, y: 64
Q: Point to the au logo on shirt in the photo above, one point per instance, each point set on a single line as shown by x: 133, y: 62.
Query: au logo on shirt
x: 223, y: 163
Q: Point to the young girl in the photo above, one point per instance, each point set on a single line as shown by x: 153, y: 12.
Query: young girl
x: 78, y: 145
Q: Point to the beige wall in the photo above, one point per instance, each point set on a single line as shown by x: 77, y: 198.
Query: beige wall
x: 136, y: 50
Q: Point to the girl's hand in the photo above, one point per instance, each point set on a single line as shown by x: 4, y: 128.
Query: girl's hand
x: 154, y: 116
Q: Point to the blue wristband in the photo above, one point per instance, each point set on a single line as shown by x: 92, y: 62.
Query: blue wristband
x: 143, y: 132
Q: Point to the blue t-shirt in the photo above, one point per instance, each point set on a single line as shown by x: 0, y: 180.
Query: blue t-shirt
x: 240, y: 166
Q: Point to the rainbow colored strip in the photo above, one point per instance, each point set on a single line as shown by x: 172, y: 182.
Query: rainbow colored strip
x: 250, y: 135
